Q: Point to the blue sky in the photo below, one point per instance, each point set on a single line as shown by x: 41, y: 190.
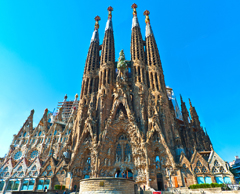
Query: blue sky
x: 44, y: 44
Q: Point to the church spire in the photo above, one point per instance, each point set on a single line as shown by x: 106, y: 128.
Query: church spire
x: 90, y: 82
x: 156, y: 77
x: 109, y: 21
x: 108, y: 52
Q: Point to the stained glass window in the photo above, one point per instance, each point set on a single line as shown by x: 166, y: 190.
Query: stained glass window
x: 216, y: 163
x: 214, y: 170
x: 204, y: 170
x: 34, y: 154
x: 50, y: 173
x: 199, y: 163
x: 196, y: 170
x: 17, y: 155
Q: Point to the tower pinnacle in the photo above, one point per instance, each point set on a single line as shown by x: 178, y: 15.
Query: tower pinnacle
x: 109, y: 21
x: 147, y: 21
x: 134, y: 20
x: 95, y: 36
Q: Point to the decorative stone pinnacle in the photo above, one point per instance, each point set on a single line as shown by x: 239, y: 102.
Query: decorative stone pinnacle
x: 76, y: 96
x: 65, y: 97
x: 190, y: 102
x: 97, y: 18
x: 110, y: 9
x: 146, y: 13
x: 134, y: 6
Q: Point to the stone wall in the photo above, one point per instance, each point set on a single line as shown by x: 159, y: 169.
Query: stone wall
x: 107, y: 185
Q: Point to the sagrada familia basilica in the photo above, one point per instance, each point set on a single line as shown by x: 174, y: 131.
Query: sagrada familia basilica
x: 125, y: 121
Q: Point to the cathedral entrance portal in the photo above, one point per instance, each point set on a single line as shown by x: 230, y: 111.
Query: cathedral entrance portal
x: 160, y: 182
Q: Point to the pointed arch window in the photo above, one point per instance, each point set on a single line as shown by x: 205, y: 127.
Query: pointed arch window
x: 40, y: 133
x: 214, y: 170
x: 199, y: 163
x: 204, y: 170
x: 118, y: 153
x: 24, y: 135
x: 216, y: 163
x: 128, y: 153
x: 49, y: 167
x: 196, y: 170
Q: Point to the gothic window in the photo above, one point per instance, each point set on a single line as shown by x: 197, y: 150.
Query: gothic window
x: 222, y: 169
x: 204, y: 170
x: 34, y: 154
x: 214, y: 170
x: 216, y: 163
x: 118, y: 153
x: 127, y: 153
x: 156, y: 137
x: 18, y: 155
x: 49, y: 167
x: 196, y: 170
x: 24, y: 135
x: 157, y: 160
x: 21, y: 174
x: 40, y: 132
x: 15, y: 174
x: 184, y: 165
x: 199, y: 163
x: 55, y: 132
x: 44, y: 173
x: 50, y: 173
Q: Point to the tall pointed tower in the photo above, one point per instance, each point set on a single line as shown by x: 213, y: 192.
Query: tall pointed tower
x: 89, y: 89
x: 106, y: 73
x: 140, y: 75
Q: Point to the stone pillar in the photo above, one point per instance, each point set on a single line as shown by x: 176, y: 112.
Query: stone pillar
x: 20, y: 184
x: 35, y: 184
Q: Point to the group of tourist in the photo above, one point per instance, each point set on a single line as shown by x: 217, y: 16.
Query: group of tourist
x: 124, y: 175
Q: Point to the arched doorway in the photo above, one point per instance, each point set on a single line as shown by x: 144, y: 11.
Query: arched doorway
x: 160, y: 182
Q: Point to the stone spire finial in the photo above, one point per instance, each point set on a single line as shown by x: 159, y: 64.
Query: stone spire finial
x: 110, y: 9
x: 146, y: 13
x: 134, y: 6
x: 190, y: 103
x: 95, y: 37
x: 109, y: 21
x: 134, y: 20
x: 147, y: 21
x: 97, y: 18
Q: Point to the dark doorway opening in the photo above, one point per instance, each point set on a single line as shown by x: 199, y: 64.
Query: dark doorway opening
x: 160, y: 182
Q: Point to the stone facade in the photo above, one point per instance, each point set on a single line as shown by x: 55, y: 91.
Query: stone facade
x: 125, y: 121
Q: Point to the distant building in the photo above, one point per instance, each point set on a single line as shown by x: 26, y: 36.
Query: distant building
x: 125, y: 121
x: 235, y: 165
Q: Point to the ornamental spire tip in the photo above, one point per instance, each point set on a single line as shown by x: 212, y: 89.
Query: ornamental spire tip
x: 134, y: 6
x: 146, y: 13
x: 110, y: 9
x: 97, y: 18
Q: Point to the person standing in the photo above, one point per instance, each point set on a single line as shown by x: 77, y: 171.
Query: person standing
x: 116, y: 175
